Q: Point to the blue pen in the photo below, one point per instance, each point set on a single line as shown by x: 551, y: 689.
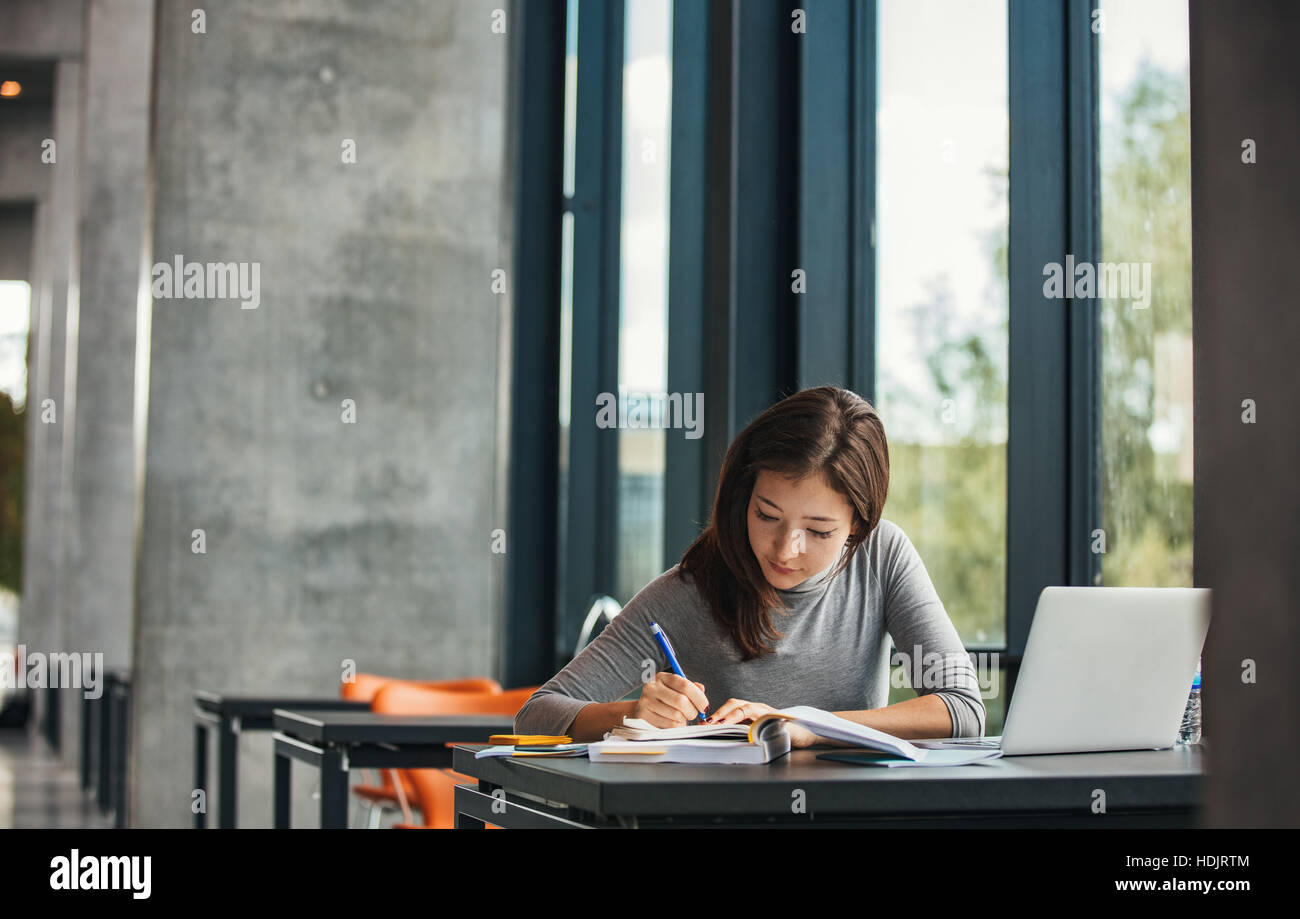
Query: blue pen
x: 672, y: 658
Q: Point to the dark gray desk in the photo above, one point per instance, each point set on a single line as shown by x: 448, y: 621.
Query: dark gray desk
x: 230, y: 716
x: 1152, y: 788
x: 334, y: 742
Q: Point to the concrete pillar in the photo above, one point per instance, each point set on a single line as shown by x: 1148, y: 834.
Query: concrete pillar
x: 51, y: 404
x: 1245, y: 84
x: 45, y: 30
x: 102, y: 514
x: 331, y: 451
x: 42, y: 29
x: 26, y: 179
x: 65, y: 208
x: 34, y: 622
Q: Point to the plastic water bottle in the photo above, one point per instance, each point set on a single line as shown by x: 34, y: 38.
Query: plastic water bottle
x: 1190, y: 732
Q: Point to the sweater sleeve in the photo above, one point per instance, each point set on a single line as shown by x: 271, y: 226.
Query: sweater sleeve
x: 610, y: 667
x: 931, y: 650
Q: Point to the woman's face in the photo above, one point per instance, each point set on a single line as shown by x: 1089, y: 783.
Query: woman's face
x: 796, y: 529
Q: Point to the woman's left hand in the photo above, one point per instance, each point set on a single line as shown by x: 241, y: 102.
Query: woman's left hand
x: 735, y: 711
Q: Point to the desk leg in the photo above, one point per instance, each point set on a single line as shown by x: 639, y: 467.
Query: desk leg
x: 201, y: 772
x: 122, y: 736
x: 467, y: 821
x: 333, y: 791
x: 87, y: 739
x: 105, y: 725
x: 281, y: 790
x: 93, y: 753
x: 227, y: 773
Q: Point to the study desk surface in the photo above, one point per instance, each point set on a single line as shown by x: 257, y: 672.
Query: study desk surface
x: 350, y: 727
x: 1130, y: 780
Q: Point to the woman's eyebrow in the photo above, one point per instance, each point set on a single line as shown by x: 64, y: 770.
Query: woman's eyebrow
x: 822, y: 519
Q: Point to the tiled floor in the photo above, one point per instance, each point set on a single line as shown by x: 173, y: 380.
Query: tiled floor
x: 37, y: 790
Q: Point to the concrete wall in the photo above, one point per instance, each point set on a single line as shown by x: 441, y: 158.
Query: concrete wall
x: 1245, y: 83
x: 325, y: 540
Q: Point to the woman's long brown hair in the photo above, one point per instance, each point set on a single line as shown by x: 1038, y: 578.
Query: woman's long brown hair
x: 824, y: 431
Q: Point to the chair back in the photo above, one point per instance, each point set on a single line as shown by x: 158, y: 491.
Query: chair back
x: 604, y: 609
x: 433, y: 789
x: 365, y: 685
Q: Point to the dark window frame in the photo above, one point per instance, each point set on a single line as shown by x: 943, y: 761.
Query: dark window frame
x: 790, y: 119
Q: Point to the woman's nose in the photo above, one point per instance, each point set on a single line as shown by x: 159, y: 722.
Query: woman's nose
x: 790, y: 544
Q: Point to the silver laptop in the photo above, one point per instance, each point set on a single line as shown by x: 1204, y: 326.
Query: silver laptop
x: 1104, y: 668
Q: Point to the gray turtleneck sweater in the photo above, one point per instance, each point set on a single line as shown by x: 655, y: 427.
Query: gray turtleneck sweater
x: 834, y: 653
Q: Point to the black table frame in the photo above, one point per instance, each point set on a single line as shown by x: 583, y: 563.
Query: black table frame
x: 229, y: 716
x: 105, y: 741
x: 335, y: 742
x: 1153, y: 788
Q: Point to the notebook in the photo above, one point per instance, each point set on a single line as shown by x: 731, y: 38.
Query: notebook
x: 769, y: 745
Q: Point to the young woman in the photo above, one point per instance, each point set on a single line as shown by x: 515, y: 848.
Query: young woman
x: 788, y: 597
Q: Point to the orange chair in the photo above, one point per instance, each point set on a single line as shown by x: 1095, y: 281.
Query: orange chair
x: 362, y: 689
x: 365, y: 685
x: 434, y: 787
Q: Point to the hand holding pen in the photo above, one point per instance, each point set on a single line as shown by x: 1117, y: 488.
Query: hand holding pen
x: 670, y: 699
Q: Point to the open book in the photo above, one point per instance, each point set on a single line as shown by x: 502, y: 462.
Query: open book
x: 759, y: 742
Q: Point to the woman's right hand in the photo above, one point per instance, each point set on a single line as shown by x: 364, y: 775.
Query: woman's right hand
x: 670, y: 701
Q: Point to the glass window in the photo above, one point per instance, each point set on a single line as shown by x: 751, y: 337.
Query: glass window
x: 1146, y: 330
x: 15, y: 312
x: 15, y: 309
x: 643, y: 285
x: 566, y: 299
x: 941, y: 300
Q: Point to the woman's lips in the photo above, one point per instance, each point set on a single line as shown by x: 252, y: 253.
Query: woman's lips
x: 779, y: 570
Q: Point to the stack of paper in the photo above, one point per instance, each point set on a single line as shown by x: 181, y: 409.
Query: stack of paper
x: 766, y: 749
x: 562, y: 750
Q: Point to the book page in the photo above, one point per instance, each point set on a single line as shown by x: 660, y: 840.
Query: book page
x: 640, y: 729
x: 833, y: 727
